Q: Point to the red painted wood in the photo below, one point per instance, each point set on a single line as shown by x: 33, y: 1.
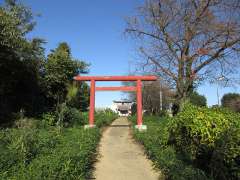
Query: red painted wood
x: 115, y: 78
x: 139, y: 102
x: 121, y: 88
x: 92, y: 103
x: 138, y: 89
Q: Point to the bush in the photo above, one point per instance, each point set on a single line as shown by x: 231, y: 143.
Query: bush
x: 198, y: 143
x: 49, y: 118
x: 69, y: 116
x: 72, y: 116
x: 209, y: 138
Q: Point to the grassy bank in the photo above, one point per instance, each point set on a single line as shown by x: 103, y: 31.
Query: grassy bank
x: 47, y: 152
x: 199, y: 143
x: 165, y: 156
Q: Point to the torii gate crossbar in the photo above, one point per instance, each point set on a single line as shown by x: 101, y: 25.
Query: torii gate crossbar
x: 137, y: 88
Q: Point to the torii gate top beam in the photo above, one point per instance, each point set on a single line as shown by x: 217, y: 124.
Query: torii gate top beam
x: 115, y: 78
x: 137, y: 88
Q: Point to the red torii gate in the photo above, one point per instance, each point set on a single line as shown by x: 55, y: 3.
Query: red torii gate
x: 137, y: 88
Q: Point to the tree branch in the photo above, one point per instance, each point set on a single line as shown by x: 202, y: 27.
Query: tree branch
x: 166, y: 71
x: 216, y: 55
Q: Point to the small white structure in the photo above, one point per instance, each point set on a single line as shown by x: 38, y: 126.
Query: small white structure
x: 122, y: 107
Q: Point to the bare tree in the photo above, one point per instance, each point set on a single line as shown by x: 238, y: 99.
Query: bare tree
x: 156, y: 96
x: 188, y: 41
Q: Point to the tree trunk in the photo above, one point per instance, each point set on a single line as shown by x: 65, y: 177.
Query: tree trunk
x: 183, y: 94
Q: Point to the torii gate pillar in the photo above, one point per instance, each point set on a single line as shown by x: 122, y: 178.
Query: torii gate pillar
x: 92, y: 104
x: 139, y: 103
x: 138, y: 89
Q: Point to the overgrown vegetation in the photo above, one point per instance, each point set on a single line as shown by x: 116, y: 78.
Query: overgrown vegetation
x: 38, y: 150
x: 199, y: 143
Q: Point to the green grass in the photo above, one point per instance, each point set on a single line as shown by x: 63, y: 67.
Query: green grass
x: 50, y: 153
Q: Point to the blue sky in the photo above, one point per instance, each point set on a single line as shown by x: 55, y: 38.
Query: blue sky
x: 94, y: 31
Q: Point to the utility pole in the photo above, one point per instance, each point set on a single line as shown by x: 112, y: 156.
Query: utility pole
x: 219, y: 79
x: 160, y: 95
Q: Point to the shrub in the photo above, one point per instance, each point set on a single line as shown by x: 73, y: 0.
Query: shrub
x: 72, y: 116
x: 210, y: 138
x: 49, y: 118
x: 69, y: 116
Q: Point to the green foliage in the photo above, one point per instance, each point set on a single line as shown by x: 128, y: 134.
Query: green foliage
x: 165, y: 156
x: 72, y: 116
x: 17, y: 146
x: 20, y: 60
x: 72, y: 90
x: 81, y: 98
x: 16, y: 21
x: 209, y: 138
x: 197, y: 99
x: 231, y: 101
x: 28, y: 80
x: 104, y: 117
x: 47, y: 153
x: 49, y: 118
x: 198, y: 143
x: 60, y: 69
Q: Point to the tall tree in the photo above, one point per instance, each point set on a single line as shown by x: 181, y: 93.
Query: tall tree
x: 20, y: 60
x: 188, y: 41
x: 60, y: 68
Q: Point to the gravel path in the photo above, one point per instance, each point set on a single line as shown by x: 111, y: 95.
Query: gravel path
x: 120, y: 157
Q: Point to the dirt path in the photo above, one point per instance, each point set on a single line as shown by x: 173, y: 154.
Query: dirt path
x: 120, y: 157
